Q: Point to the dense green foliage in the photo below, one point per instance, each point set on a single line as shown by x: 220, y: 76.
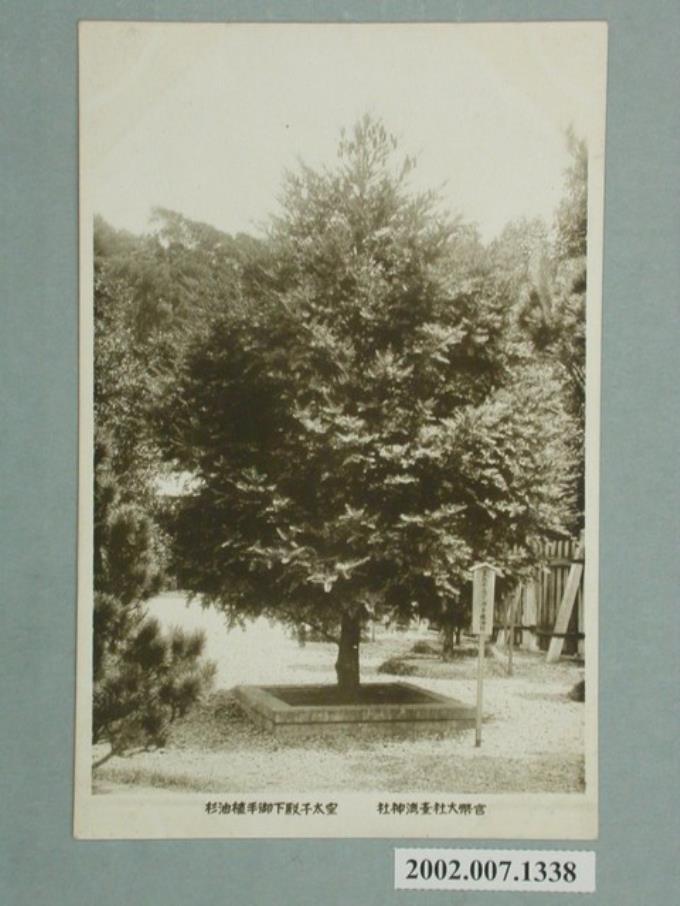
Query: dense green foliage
x: 553, y: 309
x: 143, y: 678
x: 366, y: 416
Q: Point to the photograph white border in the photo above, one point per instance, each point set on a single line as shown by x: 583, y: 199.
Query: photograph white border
x: 167, y: 815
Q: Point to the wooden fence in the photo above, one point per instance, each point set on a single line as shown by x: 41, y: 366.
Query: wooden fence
x: 540, y: 600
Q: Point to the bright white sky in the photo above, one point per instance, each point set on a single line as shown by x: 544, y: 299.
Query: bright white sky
x: 203, y: 119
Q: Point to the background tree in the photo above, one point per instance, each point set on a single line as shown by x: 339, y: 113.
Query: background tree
x: 143, y: 679
x: 168, y: 285
x: 553, y: 308
x: 369, y: 427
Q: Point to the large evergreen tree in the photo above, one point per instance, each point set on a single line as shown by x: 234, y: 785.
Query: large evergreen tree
x: 366, y: 426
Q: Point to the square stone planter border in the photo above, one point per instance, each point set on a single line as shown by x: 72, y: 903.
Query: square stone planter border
x: 434, y: 713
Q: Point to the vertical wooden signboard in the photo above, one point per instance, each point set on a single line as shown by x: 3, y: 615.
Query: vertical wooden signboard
x: 483, y: 587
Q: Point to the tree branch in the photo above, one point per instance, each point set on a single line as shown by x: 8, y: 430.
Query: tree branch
x: 317, y: 627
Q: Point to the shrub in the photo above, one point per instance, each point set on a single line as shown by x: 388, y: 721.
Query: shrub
x: 578, y: 692
x: 397, y: 667
x: 424, y: 647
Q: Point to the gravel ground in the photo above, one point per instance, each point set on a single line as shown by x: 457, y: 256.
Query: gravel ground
x: 533, y: 737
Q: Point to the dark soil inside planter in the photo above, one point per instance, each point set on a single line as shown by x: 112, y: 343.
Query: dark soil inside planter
x: 371, y: 694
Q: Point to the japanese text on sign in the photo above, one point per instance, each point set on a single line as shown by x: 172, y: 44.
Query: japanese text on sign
x: 483, y: 583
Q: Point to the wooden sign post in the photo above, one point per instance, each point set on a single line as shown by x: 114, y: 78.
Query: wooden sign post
x: 483, y: 586
x: 514, y: 607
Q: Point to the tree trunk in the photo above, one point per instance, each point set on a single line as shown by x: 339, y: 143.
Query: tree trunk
x: 447, y: 641
x: 347, y: 664
x: 101, y: 761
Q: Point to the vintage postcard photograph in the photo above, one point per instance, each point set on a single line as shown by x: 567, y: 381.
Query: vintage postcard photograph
x: 340, y: 291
